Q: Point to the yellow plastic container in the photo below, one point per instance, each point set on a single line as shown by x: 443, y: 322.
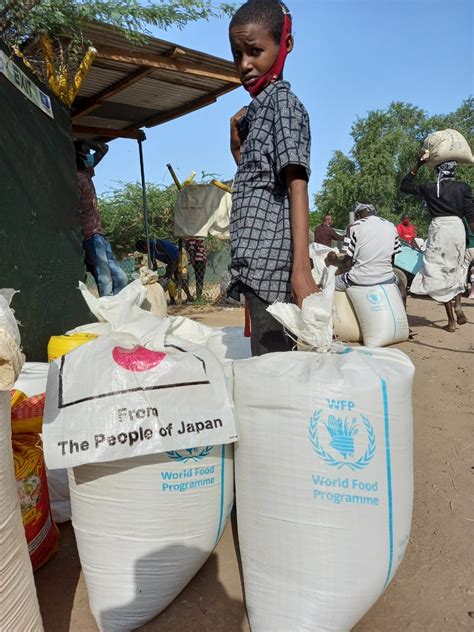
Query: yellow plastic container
x: 61, y: 345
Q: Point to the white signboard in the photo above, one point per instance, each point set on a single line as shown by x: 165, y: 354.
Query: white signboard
x: 21, y: 81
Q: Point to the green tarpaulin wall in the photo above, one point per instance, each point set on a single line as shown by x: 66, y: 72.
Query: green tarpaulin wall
x: 40, y: 237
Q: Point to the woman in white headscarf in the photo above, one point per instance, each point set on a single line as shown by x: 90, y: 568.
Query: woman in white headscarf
x: 443, y: 275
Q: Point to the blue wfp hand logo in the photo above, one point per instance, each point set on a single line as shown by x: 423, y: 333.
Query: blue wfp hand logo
x: 336, y: 438
x: 374, y: 296
x: 192, y: 454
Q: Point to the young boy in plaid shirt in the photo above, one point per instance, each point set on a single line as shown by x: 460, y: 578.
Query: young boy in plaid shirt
x: 270, y: 141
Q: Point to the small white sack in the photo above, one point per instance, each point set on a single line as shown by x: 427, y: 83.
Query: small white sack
x: 445, y: 145
x: 11, y: 358
x: 113, y: 399
x: 344, y: 318
x: 155, y: 301
x: 324, y: 483
x: 145, y: 526
x: 381, y: 314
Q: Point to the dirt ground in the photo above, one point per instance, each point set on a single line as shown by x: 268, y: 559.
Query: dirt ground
x: 433, y: 590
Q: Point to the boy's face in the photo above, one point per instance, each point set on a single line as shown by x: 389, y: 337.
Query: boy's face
x: 254, y: 51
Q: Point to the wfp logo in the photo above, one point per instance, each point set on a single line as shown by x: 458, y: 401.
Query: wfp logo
x: 338, y: 440
x: 192, y: 454
x: 374, y: 297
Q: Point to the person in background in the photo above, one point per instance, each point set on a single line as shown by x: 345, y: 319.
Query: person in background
x: 197, y: 254
x: 100, y: 260
x: 325, y: 234
x: 443, y: 276
x: 406, y: 230
x: 166, y: 252
x: 369, y: 246
x: 270, y: 142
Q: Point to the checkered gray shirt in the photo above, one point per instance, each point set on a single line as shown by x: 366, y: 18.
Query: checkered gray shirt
x: 276, y: 134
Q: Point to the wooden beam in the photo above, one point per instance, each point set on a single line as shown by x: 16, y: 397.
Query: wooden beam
x: 106, y: 132
x: 138, y: 58
x: 197, y: 104
x: 96, y: 101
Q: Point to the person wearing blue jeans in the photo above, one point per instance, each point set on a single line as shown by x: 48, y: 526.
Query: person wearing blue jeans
x: 104, y: 267
x: 100, y: 260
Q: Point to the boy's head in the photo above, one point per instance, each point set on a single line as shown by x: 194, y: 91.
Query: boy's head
x: 260, y: 38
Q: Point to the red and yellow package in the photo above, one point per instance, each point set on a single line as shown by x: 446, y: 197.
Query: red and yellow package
x: 42, y: 535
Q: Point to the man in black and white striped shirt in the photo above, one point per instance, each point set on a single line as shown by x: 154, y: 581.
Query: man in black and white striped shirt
x: 369, y: 246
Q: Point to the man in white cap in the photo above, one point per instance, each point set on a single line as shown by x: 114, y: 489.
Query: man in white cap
x: 370, y: 244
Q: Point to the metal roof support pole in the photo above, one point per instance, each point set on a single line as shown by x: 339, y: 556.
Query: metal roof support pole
x: 145, y: 203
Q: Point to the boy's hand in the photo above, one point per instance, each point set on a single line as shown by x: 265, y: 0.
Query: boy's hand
x: 302, y: 285
x: 235, y: 133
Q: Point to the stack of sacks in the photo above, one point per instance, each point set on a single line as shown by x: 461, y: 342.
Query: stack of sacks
x: 19, y: 610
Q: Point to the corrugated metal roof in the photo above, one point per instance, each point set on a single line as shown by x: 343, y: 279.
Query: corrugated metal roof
x: 133, y: 86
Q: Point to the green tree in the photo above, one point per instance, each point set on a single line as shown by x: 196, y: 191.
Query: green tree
x: 122, y: 214
x: 21, y: 21
x: 386, y: 145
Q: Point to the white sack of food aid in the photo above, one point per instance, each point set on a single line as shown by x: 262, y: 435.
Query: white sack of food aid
x: 229, y: 343
x: 324, y: 483
x: 11, y: 358
x: 344, y: 318
x: 19, y: 608
x: 114, y: 398
x: 225, y: 343
x: 381, y: 314
x: 32, y: 381
x: 145, y: 526
x: 445, y: 145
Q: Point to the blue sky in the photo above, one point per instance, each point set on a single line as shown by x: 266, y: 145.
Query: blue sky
x: 350, y: 56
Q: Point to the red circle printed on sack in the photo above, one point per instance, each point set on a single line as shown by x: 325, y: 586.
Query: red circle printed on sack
x: 138, y: 358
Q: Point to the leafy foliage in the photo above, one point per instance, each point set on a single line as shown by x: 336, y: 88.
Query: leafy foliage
x: 386, y: 146
x: 64, y: 21
x: 122, y: 214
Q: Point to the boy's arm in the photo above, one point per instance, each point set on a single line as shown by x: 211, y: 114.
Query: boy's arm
x: 302, y: 281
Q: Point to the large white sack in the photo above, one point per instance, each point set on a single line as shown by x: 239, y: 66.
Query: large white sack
x: 381, y: 314
x: 145, y: 526
x: 225, y: 343
x: 19, y: 608
x: 229, y: 343
x: 445, y: 145
x: 202, y: 210
x: 32, y: 381
x: 324, y: 483
x: 344, y: 318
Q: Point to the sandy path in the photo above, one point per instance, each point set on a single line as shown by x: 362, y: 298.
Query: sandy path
x: 433, y: 590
